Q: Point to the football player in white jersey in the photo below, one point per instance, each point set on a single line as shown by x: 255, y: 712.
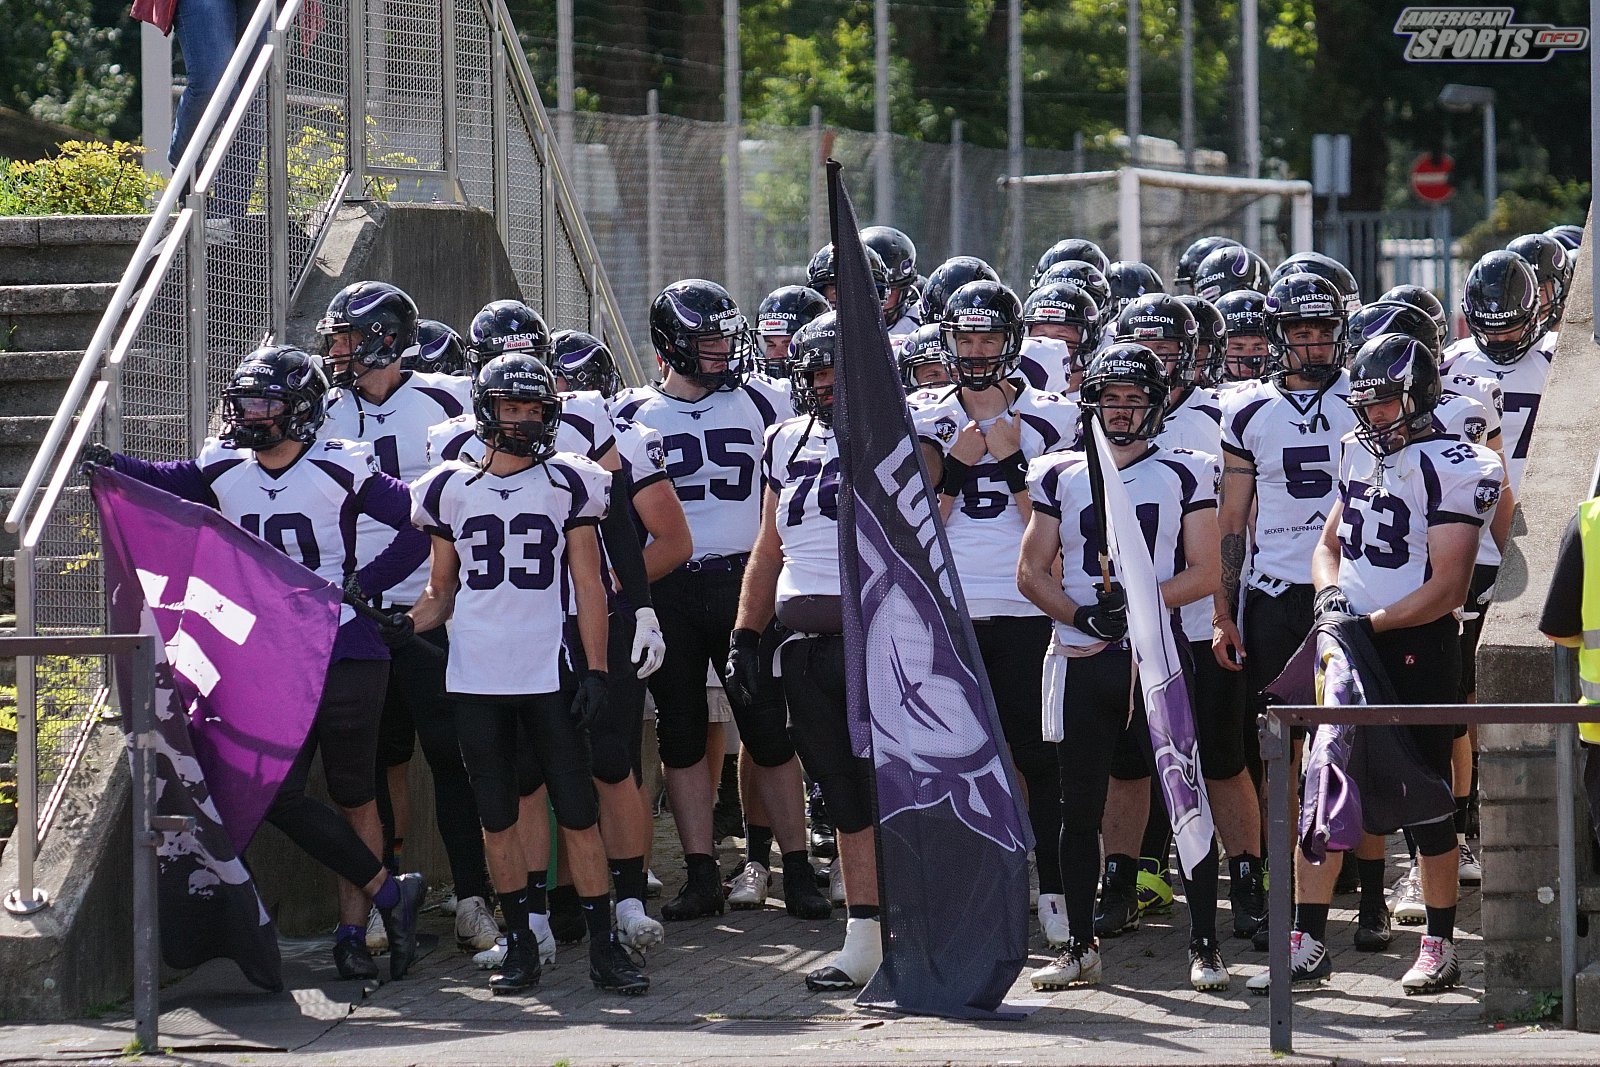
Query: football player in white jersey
x: 1397, y: 552
x: 1165, y: 325
x: 368, y: 328
x: 782, y: 312
x: 993, y: 423
x: 1063, y: 324
x: 1246, y: 351
x: 1281, y: 443
x: 712, y: 418
x: 1059, y: 570
x: 511, y: 532
x: 920, y: 357
x: 901, y: 311
x: 269, y: 474
x: 1211, y: 346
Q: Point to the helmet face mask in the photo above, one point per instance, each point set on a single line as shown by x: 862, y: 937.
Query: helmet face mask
x: 982, y: 331
x: 368, y: 325
x: 1126, y: 388
x: 517, y: 408
x: 277, y: 394
x: 1394, y: 388
x: 1306, y: 328
x: 1500, y: 302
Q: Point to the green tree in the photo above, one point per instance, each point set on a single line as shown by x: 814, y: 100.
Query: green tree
x: 57, y: 64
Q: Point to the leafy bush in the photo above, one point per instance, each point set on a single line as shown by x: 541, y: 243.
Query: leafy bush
x: 316, y: 161
x: 84, y: 178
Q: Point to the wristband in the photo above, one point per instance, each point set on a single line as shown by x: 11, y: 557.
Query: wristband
x: 1015, y: 473
x: 956, y: 475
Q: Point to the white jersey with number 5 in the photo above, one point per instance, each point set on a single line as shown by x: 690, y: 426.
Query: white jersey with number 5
x: 713, y: 450
x: 801, y: 465
x: 1389, y: 507
x: 1293, y: 439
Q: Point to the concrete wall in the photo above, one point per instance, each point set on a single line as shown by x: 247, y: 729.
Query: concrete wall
x: 1515, y: 665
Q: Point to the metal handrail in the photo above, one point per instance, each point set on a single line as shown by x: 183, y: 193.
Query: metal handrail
x: 1274, y: 726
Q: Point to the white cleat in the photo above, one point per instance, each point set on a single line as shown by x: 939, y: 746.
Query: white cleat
x: 1053, y: 920
x: 1207, y: 971
x: 652, y: 885
x: 635, y: 929
x: 1437, y: 967
x: 476, y: 929
x: 856, y: 963
x: 1310, y: 966
x: 1405, y: 903
x: 493, y: 956
x: 750, y: 887
x: 1078, y: 964
x: 1468, y: 870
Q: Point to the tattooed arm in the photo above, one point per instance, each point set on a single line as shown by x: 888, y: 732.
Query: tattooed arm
x: 1233, y: 517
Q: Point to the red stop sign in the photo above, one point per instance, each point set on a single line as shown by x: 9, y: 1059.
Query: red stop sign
x: 1430, y: 178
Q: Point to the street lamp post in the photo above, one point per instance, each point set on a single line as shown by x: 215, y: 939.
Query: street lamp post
x: 1462, y: 98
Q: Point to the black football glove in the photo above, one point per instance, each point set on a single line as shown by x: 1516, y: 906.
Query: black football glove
x: 95, y: 455
x: 744, y: 666
x: 398, y: 630
x: 1107, y: 618
x: 592, y: 698
x: 1330, y: 601
x: 352, y: 588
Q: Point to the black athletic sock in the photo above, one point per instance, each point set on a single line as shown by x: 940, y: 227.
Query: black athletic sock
x: 863, y: 911
x: 702, y: 869
x: 597, y: 915
x: 627, y: 877
x: 1442, y: 922
x: 1312, y: 919
x: 1244, y: 870
x: 562, y: 898
x: 538, y: 901
x: 1121, y: 871
x: 514, y: 905
x: 799, y: 861
x: 759, y: 842
x: 1157, y: 840
x: 1463, y: 807
x: 1200, y: 893
x: 1370, y: 873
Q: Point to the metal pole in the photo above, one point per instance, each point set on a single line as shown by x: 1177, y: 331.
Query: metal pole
x: 652, y: 192
x: 155, y: 97
x: 497, y: 135
x: 1129, y: 222
x: 355, y: 127
x: 146, y: 865
x: 1491, y: 175
x: 278, y: 184
x: 1014, y: 160
x: 1186, y: 80
x: 958, y: 211
x: 566, y: 92
x: 1135, y: 86
x: 733, y: 180
x: 1566, y: 672
x: 817, y: 231
x: 1250, y: 39
x: 26, y: 898
x: 447, y: 79
x: 1275, y: 752
x: 883, y: 148
x: 1446, y: 263
x: 198, y: 314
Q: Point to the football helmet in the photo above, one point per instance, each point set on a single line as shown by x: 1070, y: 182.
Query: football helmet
x: 899, y: 257
x: 1185, y: 277
x: 1212, y: 344
x: 384, y: 320
x: 1230, y: 268
x: 1159, y: 317
x: 1298, y: 298
x: 1065, y: 304
x: 1500, y: 302
x: 506, y: 326
x: 276, y: 394
x: 1087, y: 275
x: 439, y: 350
x: 688, y: 313
x: 949, y: 276
x: 1129, y: 281
x: 517, y: 375
x: 812, y: 349
x: 781, y: 314
x: 1552, y: 267
x: 1125, y: 363
x: 1393, y: 316
x: 923, y: 347
x: 1072, y: 248
x: 584, y: 361
x: 1387, y: 367
x: 1327, y: 267
x: 989, y: 308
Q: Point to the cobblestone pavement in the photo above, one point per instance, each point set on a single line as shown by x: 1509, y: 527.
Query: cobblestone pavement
x: 730, y: 990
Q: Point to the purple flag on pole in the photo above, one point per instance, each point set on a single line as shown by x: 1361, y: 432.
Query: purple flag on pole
x: 247, y: 635
x: 1155, y: 657
x: 918, y: 699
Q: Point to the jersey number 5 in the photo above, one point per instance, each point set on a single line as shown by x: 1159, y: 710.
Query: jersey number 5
x: 485, y: 537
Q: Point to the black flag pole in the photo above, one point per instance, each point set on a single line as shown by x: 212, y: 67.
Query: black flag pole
x: 1097, y: 494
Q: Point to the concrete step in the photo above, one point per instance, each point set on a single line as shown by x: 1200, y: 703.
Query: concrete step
x: 31, y: 383
x: 67, y: 248
x: 20, y: 437
x: 56, y: 316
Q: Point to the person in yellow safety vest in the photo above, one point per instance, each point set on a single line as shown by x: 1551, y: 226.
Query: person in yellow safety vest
x: 1572, y: 618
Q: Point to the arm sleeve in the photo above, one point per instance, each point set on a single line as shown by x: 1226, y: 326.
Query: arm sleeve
x: 621, y: 538
x: 386, y: 499
x: 182, y: 478
x: 1563, y: 604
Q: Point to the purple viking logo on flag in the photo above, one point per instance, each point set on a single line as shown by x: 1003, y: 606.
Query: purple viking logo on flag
x: 918, y: 701
x: 247, y: 635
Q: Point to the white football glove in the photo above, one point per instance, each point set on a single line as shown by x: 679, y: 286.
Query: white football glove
x: 649, y: 647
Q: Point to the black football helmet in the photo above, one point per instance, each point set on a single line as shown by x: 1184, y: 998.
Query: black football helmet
x: 1072, y: 248
x: 1419, y: 297
x: 1125, y: 363
x: 1569, y: 235
x: 813, y: 348
x: 1500, y: 302
x: 1230, y: 268
x: 1386, y: 367
x: 506, y: 326
x: 1212, y: 342
x: 1088, y: 276
x: 584, y: 361
x: 1553, y: 268
x: 899, y: 257
x: 923, y: 347
x: 983, y: 307
x: 1244, y: 312
x: 1327, y: 267
x: 1393, y: 316
x: 1189, y: 262
x: 278, y: 393
x: 781, y: 314
x: 384, y: 320
x: 1303, y: 297
x: 1158, y: 317
x: 1129, y: 281
x: 1065, y: 304
x: 823, y: 276
x: 949, y: 276
x: 517, y: 375
x: 690, y: 312
x: 439, y: 350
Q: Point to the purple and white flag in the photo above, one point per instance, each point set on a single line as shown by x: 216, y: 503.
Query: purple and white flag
x: 247, y: 633
x: 1155, y: 657
x: 919, y: 702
